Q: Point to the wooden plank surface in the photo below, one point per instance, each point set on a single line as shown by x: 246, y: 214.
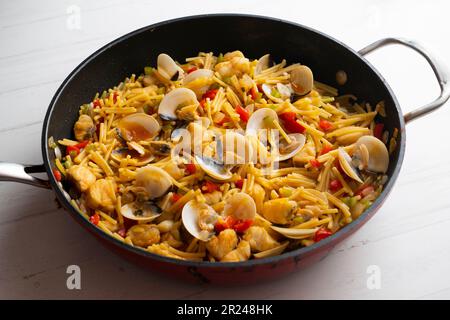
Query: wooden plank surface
x: 408, y: 239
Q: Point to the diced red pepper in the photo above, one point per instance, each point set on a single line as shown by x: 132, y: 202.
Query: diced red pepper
x: 122, y: 232
x: 335, y: 185
x: 254, y: 93
x: 290, y: 123
x: 209, y: 187
x: 72, y: 150
x: 315, y: 163
x: 96, y: 103
x: 321, y: 234
x: 191, y: 168
x: 325, y: 150
x: 176, y: 197
x: 239, y: 183
x: 202, y: 103
x: 364, y: 190
x: 82, y: 144
x: 225, y: 119
x: 242, y: 225
x: 211, y: 94
x: 226, y: 223
x: 94, y: 219
x: 192, y: 69
x: 57, y: 174
x: 325, y: 125
x: 243, y: 114
x: 378, y: 130
x: 115, y: 94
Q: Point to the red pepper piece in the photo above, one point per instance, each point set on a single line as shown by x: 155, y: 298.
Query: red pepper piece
x: 325, y: 150
x: 190, y: 70
x: 94, y: 219
x: 290, y: 123
x: 335, y: 185
x: 191, y: 168
x: 57, y: 174
x: 239, y: 183
x: 243, y: 114
x: 321, y: 234
x: 242, y: 225
x: 176, y: 197
x: 209, y: 187
x: 325, y: 125
x: 315, y: 163
x: 378, y: 130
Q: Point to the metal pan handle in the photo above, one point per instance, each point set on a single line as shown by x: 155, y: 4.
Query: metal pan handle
x: 22, y: 173
x: 438, y: 67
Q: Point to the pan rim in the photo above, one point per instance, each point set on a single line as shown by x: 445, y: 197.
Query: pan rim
x: 300, y: 252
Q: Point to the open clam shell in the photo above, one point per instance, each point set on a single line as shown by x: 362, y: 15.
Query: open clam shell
x: 287, y: 151
x: 378, y: 155
x: 258, y: 121
x: 173, y: 100
x: 168, y: 68
x: 346, y: 164
x: 263, y: 64
x: 154, y: 180
x: 214, y: 169
x: 145, y: 212
x: 199, y: 220
x: 199, y: 80
x: 138, y: 127
x: 302, y: 80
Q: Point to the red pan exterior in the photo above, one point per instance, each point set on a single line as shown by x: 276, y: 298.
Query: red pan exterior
x: 252, y: 34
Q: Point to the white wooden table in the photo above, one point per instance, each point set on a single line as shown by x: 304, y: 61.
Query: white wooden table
x: 408, y: 239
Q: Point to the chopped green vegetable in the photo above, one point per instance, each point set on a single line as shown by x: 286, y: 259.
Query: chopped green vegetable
x: 227, y: 80
x: 298, y: 220
x: 148, y: 71
x: 220, y: 58
x: 275, y: 93
x: 161, y: 90
x: 327, y: 99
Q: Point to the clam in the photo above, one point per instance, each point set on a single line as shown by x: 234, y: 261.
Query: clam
x: 369, y: 154
x: 180, y: 97
x: 372, y: 154
x: 154, y: 180
x: 168, y: 68
x: 347, y: 166
x: 230, y: 149
x: 263, y: 64
x: 240, y: 206
x: 213, y: 168
x: 264, y: 119
x: 288, y: 150
x: 199, y: 219
x: 278, y: 93
x: 260, y: 119
x: 199, y: 80
x: 145, y: 212
x: 272, y: 252
x: 302, y: 80
x: 138, y: 127
x: 293, y: 233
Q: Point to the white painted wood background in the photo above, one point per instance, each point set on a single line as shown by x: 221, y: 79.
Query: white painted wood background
x: 408, y: 239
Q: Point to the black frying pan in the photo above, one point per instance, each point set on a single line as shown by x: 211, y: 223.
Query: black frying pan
x: 255, y: 36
